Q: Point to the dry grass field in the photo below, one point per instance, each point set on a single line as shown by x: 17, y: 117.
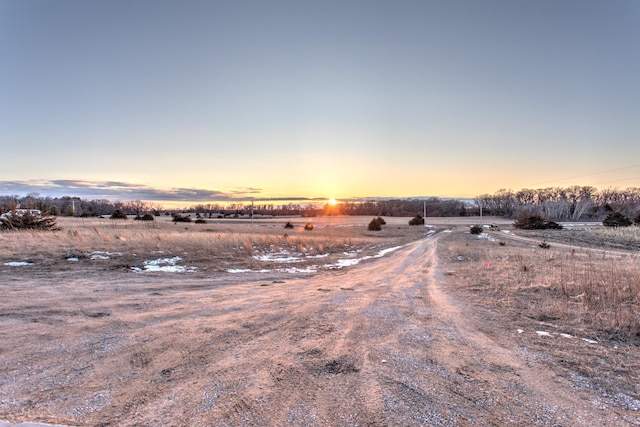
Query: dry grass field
x: 587, y: 279
x: 215, y: 246
x: 233, y: 323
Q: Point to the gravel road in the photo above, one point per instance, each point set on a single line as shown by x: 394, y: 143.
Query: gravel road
x: 381, y: 343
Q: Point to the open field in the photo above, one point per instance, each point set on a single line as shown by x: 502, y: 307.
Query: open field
x: 232, y: 323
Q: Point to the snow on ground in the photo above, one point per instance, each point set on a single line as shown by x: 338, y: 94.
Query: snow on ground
x: 17, y: 263
x: 168, y: 265
x: 486, y: 236
x: 103, y: 254
x: 285, y: 256
x: 282, y: 255
x: 563, y: 335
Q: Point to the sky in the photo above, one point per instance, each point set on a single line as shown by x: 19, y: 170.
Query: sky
x: 174, y: 101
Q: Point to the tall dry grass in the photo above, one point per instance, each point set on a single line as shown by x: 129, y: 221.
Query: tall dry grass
x: 620, y: 234
x: 211, y: 244
x: 586, y: 290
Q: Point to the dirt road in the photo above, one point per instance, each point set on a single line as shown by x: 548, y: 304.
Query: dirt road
x: 381, y: 343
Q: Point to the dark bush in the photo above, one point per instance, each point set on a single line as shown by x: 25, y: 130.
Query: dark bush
x: 308, y: 226
x: 27, y: 221
x: 201, y: 221
x: 476, y: 229
x: 180, y: 218
x: 544, y: 245
x: 528, y: 221
x: 637, y: 220
x: 288, y: 225
x: 145, y: 217
x: 381, y: 220
x: 616, y: 219
x: 374, y: 225
x: 118, y: 214
x: 417, y: 220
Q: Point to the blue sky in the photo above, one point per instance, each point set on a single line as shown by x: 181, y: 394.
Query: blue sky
x: 297, y: 99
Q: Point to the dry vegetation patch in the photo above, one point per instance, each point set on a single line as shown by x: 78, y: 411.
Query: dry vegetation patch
x: 585, y: 291
x: 128, y: 245
x: 621, y: 238
x: 577, y: 309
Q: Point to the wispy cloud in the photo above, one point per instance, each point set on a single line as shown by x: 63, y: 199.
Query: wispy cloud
x: 116, y: 190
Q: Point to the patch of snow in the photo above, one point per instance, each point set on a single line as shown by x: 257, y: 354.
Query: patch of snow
x: 448, y: 231
x: 310, y: 269
x: 567, y: 336
x: 318, y: 256
x: 103, y: 254
x: 486, y: 236
x: 343, y: 263
x: 386, y: 251
x: 247, y: 270
x: 17, y: 263
x: 543, y: 334
x: 520, y: 331
x: 283, y: 256
x: 589, y: 341
x: 73, y: 259
x: 168, y: 265
x: 238, y: 270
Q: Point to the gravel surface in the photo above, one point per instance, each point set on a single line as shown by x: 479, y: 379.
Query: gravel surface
x: 389, y: 341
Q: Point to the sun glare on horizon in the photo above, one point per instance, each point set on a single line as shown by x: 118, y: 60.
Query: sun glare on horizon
x: 332, y: 202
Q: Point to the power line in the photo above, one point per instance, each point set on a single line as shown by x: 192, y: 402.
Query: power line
x: 588, y: 174
x: 616, y: 180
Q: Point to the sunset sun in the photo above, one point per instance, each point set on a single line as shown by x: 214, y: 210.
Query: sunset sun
x: 332, y: 202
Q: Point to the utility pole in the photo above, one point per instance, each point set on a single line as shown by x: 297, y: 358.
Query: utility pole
x: 252, y: 211
x: 424, y: 217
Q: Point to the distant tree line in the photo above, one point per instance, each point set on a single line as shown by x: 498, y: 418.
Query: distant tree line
x: 572, y: 203
x: 554, y: 203
x: 75, y: 206
x: 393, y: 207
